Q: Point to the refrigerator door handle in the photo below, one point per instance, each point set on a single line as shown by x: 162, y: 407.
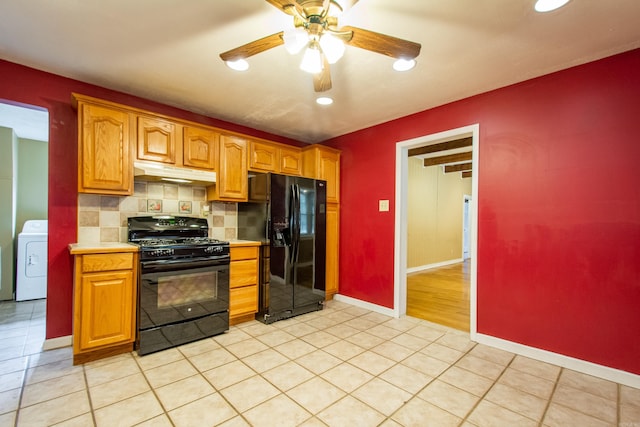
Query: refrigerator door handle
x: 297, y: 225
x: 292, y: 219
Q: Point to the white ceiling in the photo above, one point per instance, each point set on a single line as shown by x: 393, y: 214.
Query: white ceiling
x: 167, y: 51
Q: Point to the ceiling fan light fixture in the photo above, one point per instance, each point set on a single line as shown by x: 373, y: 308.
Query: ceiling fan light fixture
x: 295, y: 39
x: 324, y: 100
x: 238, y: 65
x: 403, y: 64
x: 332, y: 47
x: 312, y: 59
x: 549, y: 5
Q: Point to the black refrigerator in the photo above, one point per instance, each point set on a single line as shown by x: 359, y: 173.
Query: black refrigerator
x: 288, y: 215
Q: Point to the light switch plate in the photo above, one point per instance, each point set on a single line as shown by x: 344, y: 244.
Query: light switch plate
x: 383, y: 205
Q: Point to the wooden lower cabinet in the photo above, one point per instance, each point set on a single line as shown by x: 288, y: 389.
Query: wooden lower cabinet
x: 243, y: 282
x: 333, y: 253
x: 104, y: 302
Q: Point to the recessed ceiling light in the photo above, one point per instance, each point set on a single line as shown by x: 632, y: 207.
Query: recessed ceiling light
x: 549, y: 5
x: 238, y: 65
x: 404, y: 64
x: 324, y: 100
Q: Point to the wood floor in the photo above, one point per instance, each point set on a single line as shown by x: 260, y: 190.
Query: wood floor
x: 440, y: 295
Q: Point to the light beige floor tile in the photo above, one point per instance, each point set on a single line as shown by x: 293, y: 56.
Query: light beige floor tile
x: 287, y: 376
x: 561, y: 416
x: 372, y: 362
x: 466, y: 380
x: 587, y: 403
x: 384, y: 332
x: 402, y: 324
x: 8, y: 419
x: 480, y: 366
x: 418, y: 413
x: 517, y: 401
x: 629, y: 414
x: 209, y: 411
x: 320, y: 339
x: 184, y: 391
x: 406, y: 378
x: 212, y: 359
x: 9, y: 400
x: 356, y: 311
x: 84, y: 420
x: 233, y: 336
x: 55, y: 410
x: 14, y: 365
x: 106, y: 373
x: 280, y: 410
x: 365, y: 340
x: 50, y: 370
x: 315, y: 394
x: 265, y: 360
x: 442, y: 352
x: 347, y: 377
x: 536, y: 368
x: 236, y: 421
x: 159, y: 421
x: 460, y: 342
x: 249, y: 393
x: 229, y: 374
x: 410, y: 341
x: 384, y: 397
x: 106, y: 361
x: 50, y: 389
x: 117, y: 390
x: 11, y: 381
x: 313, y: 422
x: 350, y: 412
x: 320, y: 322
x: 360, y: 323
x: 449, y: 398
x: 344, y: 350
x: 163, y: 375
x: 299, y: 329
x: 275, y: 338
x: 295, y: 349
x: 374, y: 317
x: 491, y: 354
x: 318, y: 361
x: 531, y: 384
x: 342, y: 331
x: 129, y: 412
x: 426, y: 333
x: 392, y: 351
x: 390, y: 423
x: 490, y: 414
x: 256, y: 328
x: 160, y: 358
x: 199, y: 347
x: 629, y: 395
x: 425, y: 364
x: 590, y: 384
x: 246, y: 348
x: 340, y: 316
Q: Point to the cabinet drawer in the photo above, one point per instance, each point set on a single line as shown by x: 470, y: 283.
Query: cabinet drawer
x: 107, y: 262
x: 244, y: 273
x: 244, y: 252
x: 243, y: 300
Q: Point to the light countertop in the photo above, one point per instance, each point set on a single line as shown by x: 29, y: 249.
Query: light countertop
x: 86, y: 248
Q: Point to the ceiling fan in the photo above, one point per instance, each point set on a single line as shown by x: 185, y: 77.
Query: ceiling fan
x: 317, y: 31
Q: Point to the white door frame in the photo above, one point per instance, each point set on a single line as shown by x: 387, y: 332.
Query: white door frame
x: 401, y: 202
x: 467, y: 199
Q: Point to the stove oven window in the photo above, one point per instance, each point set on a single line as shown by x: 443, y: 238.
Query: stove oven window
x: 181, y: 289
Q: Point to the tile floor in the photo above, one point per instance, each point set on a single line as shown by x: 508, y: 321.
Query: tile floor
x: 343, y: 366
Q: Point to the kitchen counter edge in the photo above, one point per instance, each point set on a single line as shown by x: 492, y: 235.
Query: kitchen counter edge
x: 92, y: 248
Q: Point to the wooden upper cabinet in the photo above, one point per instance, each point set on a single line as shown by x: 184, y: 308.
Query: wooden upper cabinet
x: 232, y: 180
x: 263, y: 157
x: 200, y: 147
x: 290, y: 161
x: 322, y: 162
x: 156, y: 140
x: 105, y: 158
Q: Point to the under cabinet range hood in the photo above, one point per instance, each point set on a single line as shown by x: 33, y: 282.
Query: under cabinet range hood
x: 157, y: 172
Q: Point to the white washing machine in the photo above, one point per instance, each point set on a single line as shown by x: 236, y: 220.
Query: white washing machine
x: 31, y: 271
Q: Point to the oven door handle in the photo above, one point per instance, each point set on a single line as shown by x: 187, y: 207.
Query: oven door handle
x: 182, y: 264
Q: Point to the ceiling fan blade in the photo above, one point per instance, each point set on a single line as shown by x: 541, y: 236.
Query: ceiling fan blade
x: 322, y: 80
x: 383, y: 44
x: 255, y: 47
x: 288, y: 6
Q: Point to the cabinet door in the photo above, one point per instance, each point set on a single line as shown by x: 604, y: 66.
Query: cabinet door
x: 232, y: 181
x: 243, y: 301
x: 156, y: 140
x: 290, y: 161
x: 106, y: 309
x: 333, y: 239
x: 329, y: 170
x: 200, y: 147
x: 263, y: 157
x: 104, y: 154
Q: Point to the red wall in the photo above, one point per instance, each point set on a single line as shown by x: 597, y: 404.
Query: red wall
x: 558, y: 209
x: 22, y: 85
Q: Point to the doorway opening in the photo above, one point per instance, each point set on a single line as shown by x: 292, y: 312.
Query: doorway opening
x: 435, y: 141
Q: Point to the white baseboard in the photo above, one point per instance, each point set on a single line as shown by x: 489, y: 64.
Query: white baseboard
x: 434, y: 265
x: 589, y: 368
x: 367, y: 305
x: 59, y: 342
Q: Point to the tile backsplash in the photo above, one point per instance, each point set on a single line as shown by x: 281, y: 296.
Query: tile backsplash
x: 103, y: 219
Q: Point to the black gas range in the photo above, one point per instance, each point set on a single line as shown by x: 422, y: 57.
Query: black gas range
x: 183, y: 283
